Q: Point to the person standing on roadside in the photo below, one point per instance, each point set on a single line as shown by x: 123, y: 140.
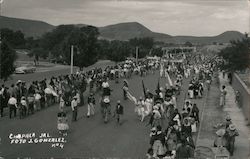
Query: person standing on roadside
x: 230, y: 135
x: 223, y: 94
x: 12, y: 106
x: 31, y: 101
x: 74, y: 108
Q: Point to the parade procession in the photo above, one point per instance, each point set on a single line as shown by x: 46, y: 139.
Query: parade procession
x: 103, y: 79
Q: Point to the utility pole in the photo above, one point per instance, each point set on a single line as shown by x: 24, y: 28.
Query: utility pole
x: 72, y: 59
x: 136, y: 54
x: 1, y: 1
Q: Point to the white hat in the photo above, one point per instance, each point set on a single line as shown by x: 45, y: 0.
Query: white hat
x: 19, y: 81
x: 106, y: 100
x: 232, y: 127
x: 153, y: 129
x: 176, y: 117
x: 155, y: 107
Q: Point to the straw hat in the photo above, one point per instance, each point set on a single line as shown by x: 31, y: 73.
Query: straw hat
x: 232, y: 127
x: 177, y: 117
x: 106, y: 100
x: 228, y: 117
x: 153, y: 129
x: 19, y: 81
x: 155, y: 107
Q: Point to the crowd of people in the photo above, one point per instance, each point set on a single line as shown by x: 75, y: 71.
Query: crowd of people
x: 172, y: 125
x: 180, y: 122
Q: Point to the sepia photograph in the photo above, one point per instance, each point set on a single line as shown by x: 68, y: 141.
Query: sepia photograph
x: 125, y: 79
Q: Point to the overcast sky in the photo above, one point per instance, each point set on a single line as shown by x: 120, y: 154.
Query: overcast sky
x: 174, y: 17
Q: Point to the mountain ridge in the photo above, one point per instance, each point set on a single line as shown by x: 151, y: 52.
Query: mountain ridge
x: 33, y: 28
x: 120, y: 31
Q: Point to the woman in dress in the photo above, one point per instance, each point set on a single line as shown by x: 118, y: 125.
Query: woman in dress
x: 62, y: 123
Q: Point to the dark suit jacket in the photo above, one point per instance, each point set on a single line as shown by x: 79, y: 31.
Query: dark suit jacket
x: 119, y: 109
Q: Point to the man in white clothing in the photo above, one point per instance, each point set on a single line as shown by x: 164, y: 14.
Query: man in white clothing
x: 12, y: 106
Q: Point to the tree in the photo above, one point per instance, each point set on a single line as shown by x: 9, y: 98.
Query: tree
x: 37, y: 53
x: 236, y: 56
x: 119, y: 50
x: 7, y: 58
x: 145, y: 45
x: 157, y: 52
x: 188, y: 44
x: 15, y: 39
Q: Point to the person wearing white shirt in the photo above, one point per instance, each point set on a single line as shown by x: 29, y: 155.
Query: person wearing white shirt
x: 74, y: 108
x: 12, y: 106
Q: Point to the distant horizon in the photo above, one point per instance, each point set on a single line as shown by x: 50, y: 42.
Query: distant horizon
x: 174, y: 17
x: 129, y: 22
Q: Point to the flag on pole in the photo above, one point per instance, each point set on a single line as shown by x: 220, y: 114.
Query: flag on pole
x: 132, y: 98
x: 169, y: 80
x: 144, y: 89
x: 158, y: 86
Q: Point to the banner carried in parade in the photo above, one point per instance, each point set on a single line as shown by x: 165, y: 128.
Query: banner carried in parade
x: 169, y: 79
x: 132, y: 98
x: 144, y: 89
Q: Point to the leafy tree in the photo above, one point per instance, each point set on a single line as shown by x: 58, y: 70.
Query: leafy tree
x: 188, y: 44
x: 104, y: 49
x: 119, y: 50
x: 157, y: 52
x: 52, y: 41
x: 15, y: 39
x: 85, y: 45
x: 37, y: 53
x: 236, y: 56
x: 145, y: 45
x: 7, y: 58
x: 89, y: 46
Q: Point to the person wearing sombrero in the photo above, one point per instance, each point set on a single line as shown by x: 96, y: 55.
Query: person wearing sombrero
x: 230, y: 135
x: 156, y: 115
x: 91, y: 105
x: 228, y: 121
x: 105, y: 108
